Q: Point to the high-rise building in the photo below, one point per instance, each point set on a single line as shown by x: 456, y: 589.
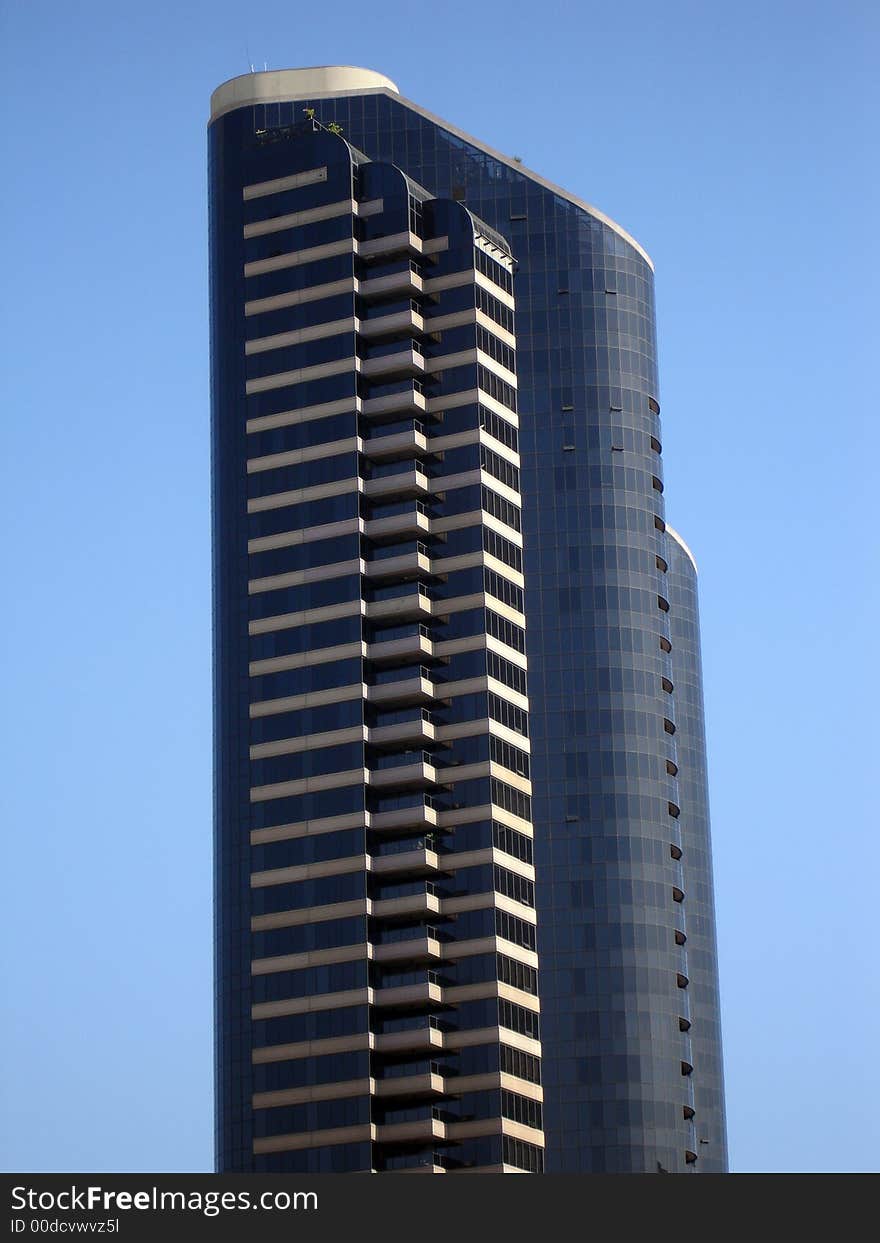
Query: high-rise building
x: 456, y: 654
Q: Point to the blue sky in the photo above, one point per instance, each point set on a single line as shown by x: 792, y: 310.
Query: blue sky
x: 735, y: 142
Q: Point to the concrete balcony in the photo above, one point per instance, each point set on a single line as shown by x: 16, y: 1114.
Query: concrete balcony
x: 407, y: 565
x: 422, y: 861
x: 415, y: 776
x: 409, y: 690
x: 397, y: 446
x: 402, y: 284
x: 410, y: 605
x: 419, y: 816
x: 408, y: 996
x: 412, y: 482
x: 414, y: 731
x: 416, y: 949
x: 391, y: 324
x: 411, y: 906
x: 413, y: 523
x: 408, y: 648
x: 391, y: 244
x: 409, y: 401
x: 413, y: 1086
x: 420, y: 1131
x: 417, y: 1040
x: 404, y: 362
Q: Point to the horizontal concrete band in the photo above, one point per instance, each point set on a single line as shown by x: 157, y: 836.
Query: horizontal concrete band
x: 355, y: 405
x: 406, y: 359
x: 296, y: 219
x: 299, y: 496
x: 365, y: 286
x: 398, y: 571
x: 448, y: 951
x: 367, y: 1040
x: 449, y: 862
x: 407, y: 736
x: 348, y: 608
x: 426, y: 775
x: 365, y: 819
x: 297, y: 297
x: 378, y: 997
x: 338, y: 487
x: 419, y: 905
x: 357, y: 605
x: 432, y: 566
x: 300, y: 336
x: 306, y: 535
x: 374, y: 247
x: 371, y: 1133
x: 452, y: 1086
x: 365, y: 447
x: 293, y: 181
x: 448, y: 777
x: 402, y: 523
x: 417, y: 646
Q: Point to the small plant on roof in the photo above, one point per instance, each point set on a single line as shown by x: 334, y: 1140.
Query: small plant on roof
x: 334, y: 128
x: 310, y: 113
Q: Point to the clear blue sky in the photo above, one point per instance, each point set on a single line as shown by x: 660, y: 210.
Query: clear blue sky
x: 736, y: 142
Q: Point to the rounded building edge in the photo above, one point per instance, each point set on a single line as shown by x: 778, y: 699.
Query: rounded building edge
x: 272, y: 86
x: 683, y: 546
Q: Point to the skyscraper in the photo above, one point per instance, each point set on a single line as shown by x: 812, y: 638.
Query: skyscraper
x: 456, y: 653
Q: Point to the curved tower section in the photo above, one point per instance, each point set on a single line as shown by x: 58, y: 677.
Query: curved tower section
x: 710, y: 1131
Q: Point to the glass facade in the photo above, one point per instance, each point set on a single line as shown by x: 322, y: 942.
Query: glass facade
x: 533, y: 502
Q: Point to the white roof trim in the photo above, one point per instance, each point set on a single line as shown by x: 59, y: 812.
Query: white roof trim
x: 274, y: 86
